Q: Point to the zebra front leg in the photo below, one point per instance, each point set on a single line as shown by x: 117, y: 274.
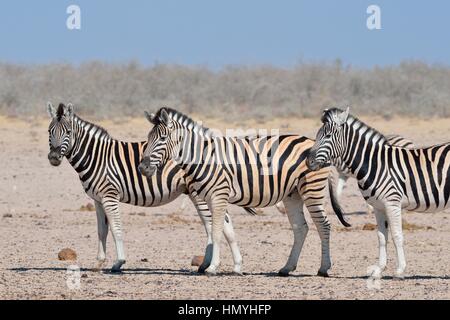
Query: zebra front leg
x: 205, y: 216
x: 320, y: 219
x: 394, y: 215
x: 102, y: 230
x: 111, y: 207
x: 231, y: 239
x: 218, y: 207
x: 382, y: 241
x: 294, y: 210
x: 341, y: 181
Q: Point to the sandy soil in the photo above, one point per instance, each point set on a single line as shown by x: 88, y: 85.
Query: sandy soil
x: 40, y: 215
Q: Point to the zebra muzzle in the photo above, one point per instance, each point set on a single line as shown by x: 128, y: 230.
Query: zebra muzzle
x: 147, y: 169
x: 312, y: 163
x: 54, y: 158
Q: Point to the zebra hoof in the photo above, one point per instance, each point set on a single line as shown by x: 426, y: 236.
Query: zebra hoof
x: 201, y: 269
x: 237, y: 273
x: 116, y: 267
x: 210, y: 272
x: 323, y: 274
x: 283, y: 273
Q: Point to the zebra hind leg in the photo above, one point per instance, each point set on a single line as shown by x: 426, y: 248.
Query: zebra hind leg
x: 294, y: 210
x: 320, y: 219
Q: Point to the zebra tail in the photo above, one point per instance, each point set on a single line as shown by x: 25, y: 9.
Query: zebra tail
x: 251, y: 211
x: 335, y: 204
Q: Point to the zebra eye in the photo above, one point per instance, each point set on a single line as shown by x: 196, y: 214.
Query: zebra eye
x: 163, y: 138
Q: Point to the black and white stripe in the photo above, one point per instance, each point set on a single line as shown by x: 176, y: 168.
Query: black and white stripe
x: 340, y: 178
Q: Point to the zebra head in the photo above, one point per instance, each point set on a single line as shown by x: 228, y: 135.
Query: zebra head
x: 60, y: 135
x: 161, y: 142
x: 330, y: 142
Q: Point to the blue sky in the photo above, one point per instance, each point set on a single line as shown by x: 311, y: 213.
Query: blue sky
x: 217, y: 33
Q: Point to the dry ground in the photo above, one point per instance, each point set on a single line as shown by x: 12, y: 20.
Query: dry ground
x: 40, y: 214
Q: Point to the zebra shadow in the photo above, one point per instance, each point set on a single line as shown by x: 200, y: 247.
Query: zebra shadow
x: 412, y: 277
x: 124, y: 271
x: 193, y: 273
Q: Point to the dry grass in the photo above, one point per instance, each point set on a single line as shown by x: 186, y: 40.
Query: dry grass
x: 407, y: 226
x: 261, y: 92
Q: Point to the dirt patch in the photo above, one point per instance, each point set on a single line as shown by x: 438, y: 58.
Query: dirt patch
x: 87, y: 207
x: 369, y: 226
x: 413, y: 227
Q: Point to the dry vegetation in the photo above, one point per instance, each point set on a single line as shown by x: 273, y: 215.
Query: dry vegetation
x: 108, y: 91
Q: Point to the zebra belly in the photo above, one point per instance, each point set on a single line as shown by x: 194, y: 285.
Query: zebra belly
x: 256, y: 196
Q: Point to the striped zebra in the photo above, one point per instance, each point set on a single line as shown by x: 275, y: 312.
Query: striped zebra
x: 108, y: 170
x: 338, y: 181
x: 250, y: 172
x: 390, y: 178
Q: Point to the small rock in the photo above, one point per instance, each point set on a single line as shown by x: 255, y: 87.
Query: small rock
x: 84, y: 275
x: 7, y: 215
x: 67, y: 254
x: 142, y: 214
x: 197, y: 261
x: 144, y: 260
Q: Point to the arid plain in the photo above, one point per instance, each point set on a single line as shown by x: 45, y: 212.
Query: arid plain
x: 41, y: 213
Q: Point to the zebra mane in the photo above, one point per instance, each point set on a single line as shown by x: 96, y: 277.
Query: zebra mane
x: 331, y: 115
x: 185, y: 121
x: 83, y: 123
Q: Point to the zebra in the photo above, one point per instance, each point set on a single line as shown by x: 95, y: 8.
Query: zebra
x: 250, y: 171
x: 340, y: 178
x: 108, y: 172
x: 390, y: 178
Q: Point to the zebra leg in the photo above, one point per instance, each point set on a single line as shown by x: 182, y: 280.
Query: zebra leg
x: 111, y: 207
x: 294, y: 210
x: 341, y: 181
x: 394, y: 215
x: 205, y: 217
x: 228, y: 231
x: 320, y: 219
x: 382, y: 241
x: 102, y: 229
x: 218, y: 207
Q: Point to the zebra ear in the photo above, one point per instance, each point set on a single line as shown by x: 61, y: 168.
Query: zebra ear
x: 343, y: 116
x: 51, y: 110
x: 164, y: 118
x: 69, y: 111
x: 323, y: 115
x: 150, y: 117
